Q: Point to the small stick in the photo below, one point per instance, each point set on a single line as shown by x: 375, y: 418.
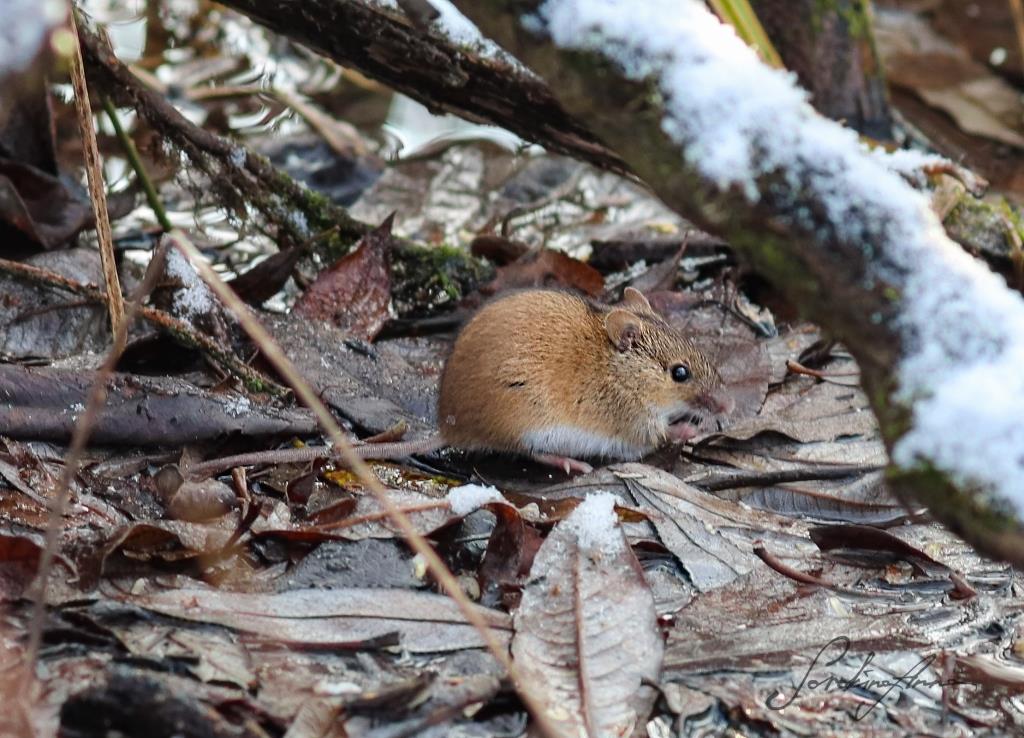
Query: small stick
x: 797, y: 368
x: 94, y: 172
x: 181, y: 331
x: 140, y: 171
x: 80, y: 436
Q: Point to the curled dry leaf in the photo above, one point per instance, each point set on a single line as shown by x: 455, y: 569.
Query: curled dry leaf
x: 354, y: 293
x: 40, y: 205
x: 688, y: 524
x: 263, y: 281
x: 586, y: 632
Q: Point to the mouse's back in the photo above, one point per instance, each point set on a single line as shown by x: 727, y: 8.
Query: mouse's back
x: 503, y: 375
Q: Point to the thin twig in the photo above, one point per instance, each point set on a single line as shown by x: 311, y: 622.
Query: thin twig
x: 181, y: 331
x: 785, y: 476
x: 80, y: 436
x: 1017, y: 8
x: 94, y: 174
x: 304, y: 392
x: 136, y: 162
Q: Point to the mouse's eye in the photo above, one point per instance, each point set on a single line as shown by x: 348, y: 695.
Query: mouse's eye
x: 681, y: 373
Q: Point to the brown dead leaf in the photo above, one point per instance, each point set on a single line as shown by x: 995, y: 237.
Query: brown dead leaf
x: 19, y: 559
x: 354, y: 293
x: 586, y: 632
x: 946, y: 77
x: 172, y: 540
x: 807, y: 410
x: 509, y: 555
x: 40, y: 206
x: 351, y: 618
x: 263, y: 281
x: 547, y: 268
x: 688, y: 523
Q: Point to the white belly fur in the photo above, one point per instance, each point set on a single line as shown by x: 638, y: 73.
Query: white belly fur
x: 567, y: 440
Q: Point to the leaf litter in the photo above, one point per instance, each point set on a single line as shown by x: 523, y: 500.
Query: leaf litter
x: 287, y: 599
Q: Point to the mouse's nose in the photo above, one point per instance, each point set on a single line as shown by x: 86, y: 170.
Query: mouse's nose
x: 718, y: 403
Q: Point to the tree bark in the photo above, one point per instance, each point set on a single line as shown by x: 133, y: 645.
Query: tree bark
x: 830, y: 48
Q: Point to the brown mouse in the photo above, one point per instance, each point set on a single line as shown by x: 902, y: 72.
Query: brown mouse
x: 553, y: 376
x: 550, y: 375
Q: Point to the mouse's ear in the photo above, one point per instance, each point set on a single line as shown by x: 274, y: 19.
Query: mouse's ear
x: 633, y: 299
x: 623, y: 328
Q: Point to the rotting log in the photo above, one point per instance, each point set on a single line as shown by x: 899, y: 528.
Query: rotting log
x: 734, y: 148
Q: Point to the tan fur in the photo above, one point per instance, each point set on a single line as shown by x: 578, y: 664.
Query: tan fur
x: 541, y: 359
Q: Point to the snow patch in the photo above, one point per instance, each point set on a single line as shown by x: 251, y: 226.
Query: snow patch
x: 461, y: 31
x: 595, y: 524
x: 469, y: 497
x: 193, y: 299
x: 737, y: 121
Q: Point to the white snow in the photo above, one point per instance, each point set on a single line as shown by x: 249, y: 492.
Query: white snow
x: 595, y: 524
x: 737, y: 120
x: 193, y: 298
x: 461, y: 31
x: 469, y: 497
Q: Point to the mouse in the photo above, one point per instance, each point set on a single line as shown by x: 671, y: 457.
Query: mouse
x: 551, y: 375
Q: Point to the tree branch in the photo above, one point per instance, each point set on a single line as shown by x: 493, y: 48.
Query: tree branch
x: 734, y: 146
x: 448, y: 78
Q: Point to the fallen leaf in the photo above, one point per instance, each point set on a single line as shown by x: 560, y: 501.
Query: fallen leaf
x: 547, y: 268
x: 946, y: 77
x: 40, y: 205
x: 355, y: 292
x: 45, y: 403
x: 264, y: 280
x: 688, y: 528
x: 19, y: 559
x: 345, y: 618
x: 807, y: 410
x: 586, y: 635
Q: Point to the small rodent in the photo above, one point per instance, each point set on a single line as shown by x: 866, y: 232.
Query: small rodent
x: 550, y: 375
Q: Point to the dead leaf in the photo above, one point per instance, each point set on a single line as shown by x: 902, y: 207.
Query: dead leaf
x: 355, y: 292
x: 40, y: 205
x: 839, y: 480
x: 687, y: 525
x: 338, y: 618
x: 587, y: 636
x: 946, y: 77
x: 547, y: 268
x: 807, y: 410
x: 264, y: 280
x: 763, y: 620
x: 372, y: 385
x: 172, y: 540
x: 509, y: 555
x: 19, y: 559
x: 45, y: 403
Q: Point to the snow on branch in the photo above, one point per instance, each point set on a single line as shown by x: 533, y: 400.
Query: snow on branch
x: 749, y: 130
